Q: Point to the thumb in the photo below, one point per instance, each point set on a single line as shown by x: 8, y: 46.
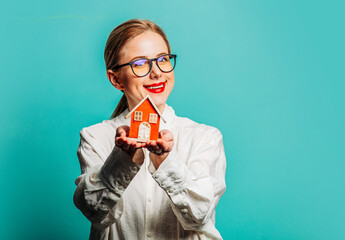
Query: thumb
x: 122, y: 131
x: 166, y: 135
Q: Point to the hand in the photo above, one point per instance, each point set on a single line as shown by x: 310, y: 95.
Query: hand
x: 130, y: 146
x: 159, y: 150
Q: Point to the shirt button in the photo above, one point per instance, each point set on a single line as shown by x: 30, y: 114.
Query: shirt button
x: 149, y: 234
x: 184, y: 210
x: 134, y: 168
x: 149, y: 199
x: 170, y: 190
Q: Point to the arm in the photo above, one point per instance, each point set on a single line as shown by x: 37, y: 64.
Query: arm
x: 195, y: 188
x: 103, y: 180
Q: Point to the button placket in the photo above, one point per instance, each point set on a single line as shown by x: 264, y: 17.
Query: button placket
x: 148, y: 205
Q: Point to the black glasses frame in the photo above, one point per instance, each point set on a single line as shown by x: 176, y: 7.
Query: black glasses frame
x: 152, y: 59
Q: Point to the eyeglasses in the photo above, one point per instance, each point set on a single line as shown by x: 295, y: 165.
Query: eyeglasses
x: 142, y: 66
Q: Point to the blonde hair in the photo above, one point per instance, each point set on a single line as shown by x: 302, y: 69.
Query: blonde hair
x: 117, y: 39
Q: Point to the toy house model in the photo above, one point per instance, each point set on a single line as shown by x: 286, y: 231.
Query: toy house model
x: 145, y: 121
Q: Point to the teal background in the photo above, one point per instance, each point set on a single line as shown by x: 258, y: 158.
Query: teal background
x: 268, y: 74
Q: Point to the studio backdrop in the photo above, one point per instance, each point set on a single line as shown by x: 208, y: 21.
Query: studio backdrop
x: 268, y: 74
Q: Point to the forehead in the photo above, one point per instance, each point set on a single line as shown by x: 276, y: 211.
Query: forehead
x: 147, y: 44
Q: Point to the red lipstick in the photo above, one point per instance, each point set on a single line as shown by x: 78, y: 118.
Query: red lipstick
x: 155, y: 87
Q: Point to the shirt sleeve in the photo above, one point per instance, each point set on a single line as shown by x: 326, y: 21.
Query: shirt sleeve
x: 102, y: 182
x: 196, y: 186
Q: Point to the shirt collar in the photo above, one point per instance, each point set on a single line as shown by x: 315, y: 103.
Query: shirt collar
x: 169, y: 116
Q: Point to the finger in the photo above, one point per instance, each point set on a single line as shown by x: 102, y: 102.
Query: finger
x: 123, y: 135
x: 157, y: 148
x: 126, y: 145
x: 119, y: 141
x: 149, y: 145
x: 150, y: 148
x: 146, y: 144
x: 119, y: 131
x: 154, y: 148
x: 132, y: 147
x: 141, y: 145
x: 122, y: 131
x: 166, y: 135
x: 165, y: 146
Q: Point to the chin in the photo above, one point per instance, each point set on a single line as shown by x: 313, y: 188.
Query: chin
x: 159, y: 99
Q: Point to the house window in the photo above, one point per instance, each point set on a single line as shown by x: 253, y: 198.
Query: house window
x: 138, y: 116
x: 153, y: 118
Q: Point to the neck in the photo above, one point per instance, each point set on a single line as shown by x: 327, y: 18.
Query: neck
x: 161, y: 108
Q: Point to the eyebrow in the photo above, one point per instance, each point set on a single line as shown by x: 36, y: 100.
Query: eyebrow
x: 162, y: 53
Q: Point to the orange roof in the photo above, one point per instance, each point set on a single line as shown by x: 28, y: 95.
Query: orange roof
x: 154, y: 106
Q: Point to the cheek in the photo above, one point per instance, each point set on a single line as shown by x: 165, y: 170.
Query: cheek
x: 129, y: 81
x: 171, y: 79
x: 170, y: 76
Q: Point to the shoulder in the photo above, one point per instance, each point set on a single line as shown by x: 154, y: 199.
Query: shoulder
x: 101, y: 136
x: 99, y: 130
x: 105, y: 129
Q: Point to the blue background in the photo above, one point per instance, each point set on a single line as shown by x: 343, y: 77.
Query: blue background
x: 269, y: 74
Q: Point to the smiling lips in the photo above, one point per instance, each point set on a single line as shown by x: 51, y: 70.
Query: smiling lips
x: 156, y: 87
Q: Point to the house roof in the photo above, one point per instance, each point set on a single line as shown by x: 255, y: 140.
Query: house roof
x: 154, y: 106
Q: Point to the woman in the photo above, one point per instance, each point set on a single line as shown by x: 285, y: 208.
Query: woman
x: 163, y: 189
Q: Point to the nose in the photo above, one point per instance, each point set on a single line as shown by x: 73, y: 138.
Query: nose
x: 155, y: 73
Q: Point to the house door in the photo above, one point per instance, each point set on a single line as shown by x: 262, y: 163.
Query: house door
x: 144, y: 131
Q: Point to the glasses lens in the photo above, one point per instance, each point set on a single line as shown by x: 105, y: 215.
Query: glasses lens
x: 166, y: 63
x: 141, y: 67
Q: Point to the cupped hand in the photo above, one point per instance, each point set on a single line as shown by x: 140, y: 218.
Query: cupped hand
x: 159, y: 150
x: 130, y: 146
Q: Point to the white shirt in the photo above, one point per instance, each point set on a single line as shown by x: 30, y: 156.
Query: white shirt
x: 126, y: 201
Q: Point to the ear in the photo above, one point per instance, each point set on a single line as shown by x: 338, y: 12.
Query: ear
x: 114, y: 79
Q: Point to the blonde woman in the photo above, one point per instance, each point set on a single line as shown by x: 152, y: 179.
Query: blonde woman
x: 159, y: 189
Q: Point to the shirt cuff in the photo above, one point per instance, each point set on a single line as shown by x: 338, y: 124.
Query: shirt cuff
x: 172, y: 175
x: 118, y: 171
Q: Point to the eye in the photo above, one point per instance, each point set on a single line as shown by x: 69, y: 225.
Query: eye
x: 164, y: 58
x: 139, y: 62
